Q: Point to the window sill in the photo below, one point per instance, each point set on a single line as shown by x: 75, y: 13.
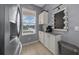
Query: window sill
x: 23, y: 34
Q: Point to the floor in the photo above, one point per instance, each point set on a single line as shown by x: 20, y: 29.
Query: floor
x: 35, y: 49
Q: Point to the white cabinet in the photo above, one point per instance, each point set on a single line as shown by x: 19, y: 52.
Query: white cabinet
x: 46, y: 39
x: 54, y: 43
x: 50, y: 41
x: 41, y: 36
x: 43, y: 18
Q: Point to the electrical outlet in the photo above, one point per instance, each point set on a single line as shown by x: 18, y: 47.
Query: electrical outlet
x: 76, y: 28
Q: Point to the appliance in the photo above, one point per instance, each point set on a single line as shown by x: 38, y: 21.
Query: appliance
x: 15, y: 45
x: 66, y: 48
x: 49, y: 29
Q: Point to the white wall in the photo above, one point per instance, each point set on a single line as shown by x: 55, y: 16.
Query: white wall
x: 71, y: 35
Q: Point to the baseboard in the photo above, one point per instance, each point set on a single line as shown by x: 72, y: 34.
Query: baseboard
x: 30, y: 42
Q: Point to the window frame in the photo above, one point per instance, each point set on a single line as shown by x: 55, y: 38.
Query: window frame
x: 22, y: 22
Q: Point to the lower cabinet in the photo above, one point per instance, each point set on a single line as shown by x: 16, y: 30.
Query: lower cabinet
x: 41, y: 36
x: 46, y: 40
x: 50, y: 41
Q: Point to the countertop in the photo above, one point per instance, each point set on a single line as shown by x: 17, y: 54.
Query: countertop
x: 52, y: 33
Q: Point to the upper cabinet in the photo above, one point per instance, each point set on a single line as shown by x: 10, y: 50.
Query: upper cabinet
x: 43, y: 17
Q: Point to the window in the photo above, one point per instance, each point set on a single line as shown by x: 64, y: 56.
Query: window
x: 28, y: 22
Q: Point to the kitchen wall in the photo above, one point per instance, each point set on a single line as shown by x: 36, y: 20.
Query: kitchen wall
x: 71, y: 35
x: 32, y: 37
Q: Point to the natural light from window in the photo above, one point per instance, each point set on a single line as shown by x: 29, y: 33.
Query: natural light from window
x: 29, y: 22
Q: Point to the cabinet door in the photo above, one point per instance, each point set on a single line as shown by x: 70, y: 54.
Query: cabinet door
x: 46, y: 18
x: 43, y: 18
x: 41, y: 36
x: 52, y: 44
x: 46, y: 40
x: 39, y: 18
x: 57, y: 38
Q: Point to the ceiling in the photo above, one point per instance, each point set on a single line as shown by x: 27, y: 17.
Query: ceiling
x: 28, y: 12
x: 39, y: 5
